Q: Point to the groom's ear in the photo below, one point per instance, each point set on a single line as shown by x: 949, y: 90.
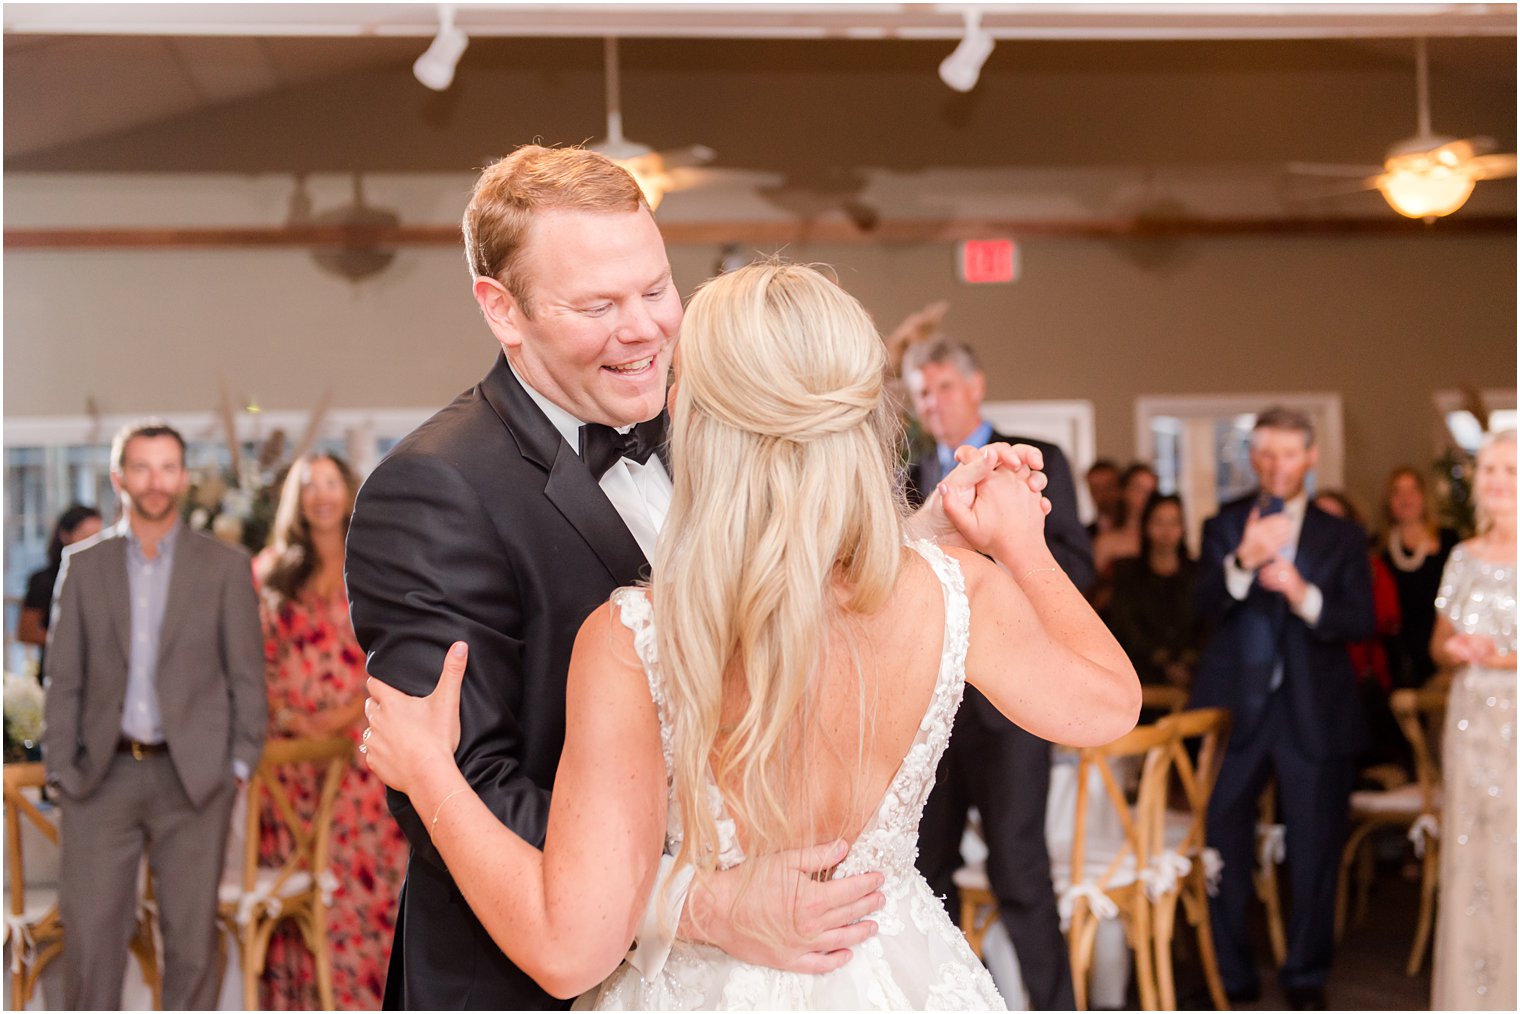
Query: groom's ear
x: 503, y: 314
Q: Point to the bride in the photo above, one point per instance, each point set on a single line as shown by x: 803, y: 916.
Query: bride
x: 789, y: 676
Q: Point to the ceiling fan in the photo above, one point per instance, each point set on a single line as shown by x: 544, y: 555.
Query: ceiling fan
x: 1428, y: 175
x: 657, y: 172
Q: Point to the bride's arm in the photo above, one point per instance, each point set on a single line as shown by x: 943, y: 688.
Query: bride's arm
x: 567, y: 915
x: 1037, y: 649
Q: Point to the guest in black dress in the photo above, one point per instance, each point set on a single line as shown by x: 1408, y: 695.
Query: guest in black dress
x: 1414, y: 549
x: 77, y: 523
x: 1151, y: 610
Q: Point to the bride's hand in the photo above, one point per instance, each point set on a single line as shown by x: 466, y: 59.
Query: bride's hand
x: 972, y: 467
x: 1003, y: 515
x: 408, y: 735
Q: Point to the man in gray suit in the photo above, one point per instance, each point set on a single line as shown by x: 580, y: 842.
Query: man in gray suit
x: 155, y: 712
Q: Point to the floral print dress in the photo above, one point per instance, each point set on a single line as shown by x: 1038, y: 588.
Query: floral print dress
x: 313, y: 663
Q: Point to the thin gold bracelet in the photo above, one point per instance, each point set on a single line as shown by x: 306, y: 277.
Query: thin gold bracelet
x: 1038, y: 570
x: 433, y: 827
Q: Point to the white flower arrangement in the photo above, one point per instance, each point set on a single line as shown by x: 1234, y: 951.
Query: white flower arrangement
x: 23, y: 714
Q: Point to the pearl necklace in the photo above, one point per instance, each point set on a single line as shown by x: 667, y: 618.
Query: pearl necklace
x: 1407, y: 561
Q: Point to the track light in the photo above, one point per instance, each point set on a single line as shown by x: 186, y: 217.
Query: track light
x: 435, y: 68
x: 961, y: 68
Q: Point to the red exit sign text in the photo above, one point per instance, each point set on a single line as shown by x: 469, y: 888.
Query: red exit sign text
x: 988, y: 261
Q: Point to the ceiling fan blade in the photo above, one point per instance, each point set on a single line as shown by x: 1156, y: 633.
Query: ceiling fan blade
x: 692, y: 178
x: 690, y: 155
x: 1494, y: 167
x: 1332, y: 169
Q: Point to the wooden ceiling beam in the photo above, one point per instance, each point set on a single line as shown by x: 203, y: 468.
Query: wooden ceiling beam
x: 717, y: 233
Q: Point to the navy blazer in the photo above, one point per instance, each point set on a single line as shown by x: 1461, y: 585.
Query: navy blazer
x: 1248, y: 637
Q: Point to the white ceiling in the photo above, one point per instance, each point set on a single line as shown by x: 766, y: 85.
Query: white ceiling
x: 778, y: 20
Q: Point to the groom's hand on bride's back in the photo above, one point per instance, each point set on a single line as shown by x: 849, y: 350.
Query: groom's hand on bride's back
x: 820, y: 920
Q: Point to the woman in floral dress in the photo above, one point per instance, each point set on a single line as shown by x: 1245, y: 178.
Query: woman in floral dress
x: 316, y: 688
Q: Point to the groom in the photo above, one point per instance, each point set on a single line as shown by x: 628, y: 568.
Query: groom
x: 510, y: 515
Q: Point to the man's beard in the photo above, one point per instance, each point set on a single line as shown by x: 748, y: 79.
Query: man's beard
x: 168, y: 511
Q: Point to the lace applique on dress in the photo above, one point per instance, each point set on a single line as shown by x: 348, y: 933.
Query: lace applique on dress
x: 918, y: 959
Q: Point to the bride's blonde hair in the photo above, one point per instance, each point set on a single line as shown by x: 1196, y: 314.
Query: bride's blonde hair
x: 785, y: 518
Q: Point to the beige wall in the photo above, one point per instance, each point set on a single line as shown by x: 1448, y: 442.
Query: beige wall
x: 1384, y: 321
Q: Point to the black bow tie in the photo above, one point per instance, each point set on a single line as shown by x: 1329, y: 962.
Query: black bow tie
x: 602, y: 445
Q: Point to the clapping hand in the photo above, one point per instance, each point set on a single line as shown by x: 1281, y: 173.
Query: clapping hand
x: 1471, y: 649
x: 407, y: 735
x: 1282, y: 576
x: 1264, y: 537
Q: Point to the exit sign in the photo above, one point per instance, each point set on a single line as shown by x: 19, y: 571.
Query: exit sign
x: 987, y: 261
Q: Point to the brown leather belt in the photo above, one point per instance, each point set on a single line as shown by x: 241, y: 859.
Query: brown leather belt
x: 140, y: 750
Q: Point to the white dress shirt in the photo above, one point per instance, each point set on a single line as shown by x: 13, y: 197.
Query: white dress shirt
x: 639, y: 493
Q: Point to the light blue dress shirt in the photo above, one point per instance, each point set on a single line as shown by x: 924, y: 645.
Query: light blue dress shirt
x: 148, y: 584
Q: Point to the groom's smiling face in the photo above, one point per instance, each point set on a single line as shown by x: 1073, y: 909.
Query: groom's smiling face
x: 599, y: 327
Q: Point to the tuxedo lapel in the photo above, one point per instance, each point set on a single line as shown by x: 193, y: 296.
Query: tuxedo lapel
x: 569, y: 484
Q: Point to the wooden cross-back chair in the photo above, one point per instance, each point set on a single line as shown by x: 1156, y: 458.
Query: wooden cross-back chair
x: 301, y: 887
x: 1162, y: 697
x: 1420, y: 714
x: 33, y: 925
x: 1414, y: 806
x: 1103, y: 879
x: 1184, y: 865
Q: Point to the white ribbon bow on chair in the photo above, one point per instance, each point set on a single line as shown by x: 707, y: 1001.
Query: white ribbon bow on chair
x: 1161, y: 876
x: 1272, y: 846
x: 1425, y: 824
x: 22, y: 942
x: 1213, y: 868
x: 1101, y: 904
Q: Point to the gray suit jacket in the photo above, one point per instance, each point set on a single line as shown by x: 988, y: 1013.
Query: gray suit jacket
x: 210, y: 664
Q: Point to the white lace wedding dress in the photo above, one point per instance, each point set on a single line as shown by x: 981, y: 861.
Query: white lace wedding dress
x: 918, y: 960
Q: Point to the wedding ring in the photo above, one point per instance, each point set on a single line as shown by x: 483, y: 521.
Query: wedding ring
x: 367, y: 731
x: 364, y: 748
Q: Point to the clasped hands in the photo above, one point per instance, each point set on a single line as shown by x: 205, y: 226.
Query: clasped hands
x: 1260, y: 545
x: 987, y: 492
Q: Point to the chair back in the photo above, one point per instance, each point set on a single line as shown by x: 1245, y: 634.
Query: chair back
x: 1420, y: 714
x: 310, y: 838
x: 1138, y: 801
x: 18, y: 807
x: 1162, y: 697
x: 1197, y: 752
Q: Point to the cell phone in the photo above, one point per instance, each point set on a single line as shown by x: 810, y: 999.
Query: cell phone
x: 1267, y: 504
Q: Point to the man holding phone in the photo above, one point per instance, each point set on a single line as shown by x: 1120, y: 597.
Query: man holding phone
x: 1287, y: 586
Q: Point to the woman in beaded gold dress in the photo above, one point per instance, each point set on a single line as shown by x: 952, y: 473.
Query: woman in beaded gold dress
x: 1475, y: 634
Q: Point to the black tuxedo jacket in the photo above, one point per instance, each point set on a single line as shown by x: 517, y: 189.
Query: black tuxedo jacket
x: 1235, y: 669
x: 482, y: 525
x: 1068, y: 539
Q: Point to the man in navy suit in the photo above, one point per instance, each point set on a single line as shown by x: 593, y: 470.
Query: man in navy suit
x: 1287, y: 586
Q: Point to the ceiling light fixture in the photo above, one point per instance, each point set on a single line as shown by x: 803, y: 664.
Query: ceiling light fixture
x: 961, y: 69
x: 435, y: 68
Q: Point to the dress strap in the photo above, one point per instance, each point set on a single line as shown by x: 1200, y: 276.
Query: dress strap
x: 952, y: 673
x: 637, y: 614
